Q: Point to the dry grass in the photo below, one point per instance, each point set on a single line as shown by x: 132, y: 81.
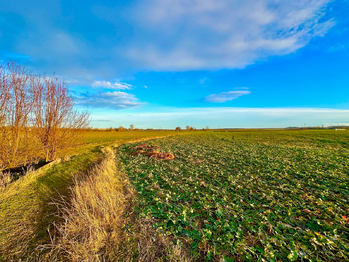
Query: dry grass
x: 25, y: 212
x: 5, y: 178
x: 94, y: 223
x: 93, y: 217
x: 152, y: 246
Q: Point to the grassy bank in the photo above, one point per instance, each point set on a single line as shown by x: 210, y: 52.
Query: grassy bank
x: 26, y: 212
x: 92, y: 219
x: 25, y: 209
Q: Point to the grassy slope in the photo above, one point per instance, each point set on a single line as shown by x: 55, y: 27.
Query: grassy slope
x: 93, y: 218
x: 253, y: 195
x: 25, y: 209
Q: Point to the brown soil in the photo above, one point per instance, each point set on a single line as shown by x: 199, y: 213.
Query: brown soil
x: 158, y: 155
x: 150, y: 151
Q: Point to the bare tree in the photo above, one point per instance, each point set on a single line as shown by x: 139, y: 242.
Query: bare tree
x: 16, y: 104
x: 4, y: 97
x: 4, y: 106
x: 131, y: 127
x: 36, y: 114
x: 57, y: 124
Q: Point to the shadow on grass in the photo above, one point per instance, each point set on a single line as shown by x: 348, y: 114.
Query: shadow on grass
x: 29, y: 212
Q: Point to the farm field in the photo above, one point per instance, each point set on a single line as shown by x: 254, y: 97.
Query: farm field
x: 91, y: 139
x: 105, y: 137
x: 248, y: 195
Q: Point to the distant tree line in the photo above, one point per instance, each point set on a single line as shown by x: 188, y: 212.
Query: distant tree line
x: 37, y: 117
x: 123, y: 129
x: 116, y: 129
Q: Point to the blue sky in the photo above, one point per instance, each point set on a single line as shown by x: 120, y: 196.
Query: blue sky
x: 216, y: 63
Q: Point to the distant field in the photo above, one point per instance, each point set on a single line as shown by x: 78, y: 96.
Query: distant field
x: 252, y: 195
x: 94, y: 137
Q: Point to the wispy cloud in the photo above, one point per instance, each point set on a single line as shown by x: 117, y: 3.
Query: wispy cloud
x: 166, y: 35
x: 226, y: 117
x: 225, y: 96
x: 336, y: 124
x: 224, y: 33
x: 111, y: 100
x: 115, y: 85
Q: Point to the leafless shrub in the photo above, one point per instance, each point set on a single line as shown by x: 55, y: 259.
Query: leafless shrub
x: 16, y: 104
x: 4, y: 96
x: 37, y: 117
x: 56, y: 123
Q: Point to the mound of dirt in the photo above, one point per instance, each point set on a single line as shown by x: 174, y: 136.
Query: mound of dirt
x: 138, y: 152
x: 158, y: 155
x: 150, y: 151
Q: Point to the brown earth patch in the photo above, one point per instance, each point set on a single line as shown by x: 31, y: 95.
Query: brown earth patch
x: 151, y: 151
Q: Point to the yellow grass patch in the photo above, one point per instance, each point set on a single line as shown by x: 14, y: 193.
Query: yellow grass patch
x: 94, y: 222
x: 93, y: 218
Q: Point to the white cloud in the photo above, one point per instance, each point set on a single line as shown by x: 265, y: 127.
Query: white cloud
x: 159, y: 35
x: 111, y: 100
x: 116, y: 85
x: 225, y: 96
x: 336, y: 124
x: 169, y: 117
x: 208, y: 34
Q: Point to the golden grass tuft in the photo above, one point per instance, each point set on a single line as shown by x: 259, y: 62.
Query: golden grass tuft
x: 93, y: 217
x: 5, y: 178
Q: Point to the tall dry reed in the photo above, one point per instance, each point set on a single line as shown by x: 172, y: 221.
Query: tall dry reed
x: 93, y: 218
x: 93, y: 222
x: 5, y: 178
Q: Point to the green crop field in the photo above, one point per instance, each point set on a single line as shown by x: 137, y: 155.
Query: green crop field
x: 249, y: 195
x: 103, y: 137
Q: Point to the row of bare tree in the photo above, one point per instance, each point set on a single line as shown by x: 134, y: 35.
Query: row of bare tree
x: 37, y: 117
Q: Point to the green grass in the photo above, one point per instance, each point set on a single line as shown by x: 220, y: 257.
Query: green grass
x: 25, y: 209
x: 272, y: 195
x: 94, y: 137
x: 91, y: 139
